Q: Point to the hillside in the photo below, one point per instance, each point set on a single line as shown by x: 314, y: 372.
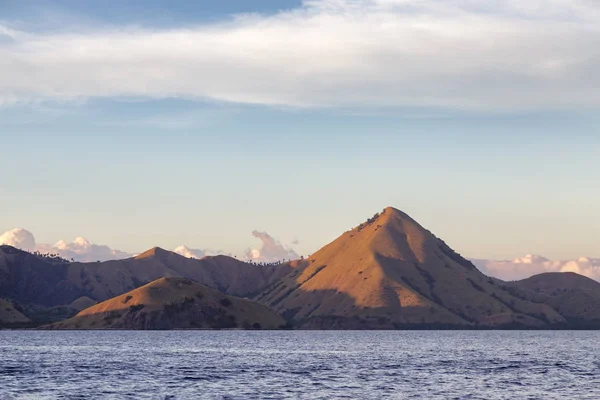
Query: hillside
x: 575, y: 297
x: 30, y: 279
x: 390, y: 272
x: 9, y: 315
x: 174, y: 303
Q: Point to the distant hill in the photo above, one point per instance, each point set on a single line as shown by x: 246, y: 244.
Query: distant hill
x: 30, y: 279
x: 575, y: 297
x: 554, y: 282
x: 174, y: 303
x: 390, y: 272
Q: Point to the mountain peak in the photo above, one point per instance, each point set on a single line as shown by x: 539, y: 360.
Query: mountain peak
x: 394, y: 213
x: 153, y: 252
x: 393, y: 210
x: 392, y: 218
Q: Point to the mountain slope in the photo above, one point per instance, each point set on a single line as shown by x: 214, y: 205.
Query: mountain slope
x: 30, y: 279
x: 9, y: 315
x: 575, y: 297
x: 391, y: 273
x: 174, y: 303
x: 105, y: 280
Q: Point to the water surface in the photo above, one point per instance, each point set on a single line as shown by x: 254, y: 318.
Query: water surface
x: 300, y: 365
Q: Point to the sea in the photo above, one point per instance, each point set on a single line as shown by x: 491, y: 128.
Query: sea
x: 299, y: 365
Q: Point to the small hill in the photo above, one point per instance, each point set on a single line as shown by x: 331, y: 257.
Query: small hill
x: 551, y: 282
x: 575, y: 297
x: 9, y: 315
x: 390, y: 272
x: 155, y: 252
x: 82, y: 303
x: 174, y: 303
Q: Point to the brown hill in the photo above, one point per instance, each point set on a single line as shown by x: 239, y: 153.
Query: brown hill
x: 82, y: 303
x: 102, y: 281
x: 30, y: 279
x: 9, y: 315
x: 390, y: 272
x: 553, y: 282
x: 174, y: 303
x: 575, y: 297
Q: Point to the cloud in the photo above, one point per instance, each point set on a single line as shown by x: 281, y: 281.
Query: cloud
x: 19, y: 238
x: 80, y: 249
x: 454, y: 54
x: 200, y: 253
x: 524, y: 267
x: 189, y: 253
x: 271, y: 250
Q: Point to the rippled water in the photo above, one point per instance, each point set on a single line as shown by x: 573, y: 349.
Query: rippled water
x: 300, y: 364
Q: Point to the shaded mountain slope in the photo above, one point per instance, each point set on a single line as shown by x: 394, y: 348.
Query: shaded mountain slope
x: 391, y: 273
x: 105, y: 280
x: 551, y: 282
x: 575, y: 297
x: 30, y: 279
x: 174, y: 303
x: 9, y: 315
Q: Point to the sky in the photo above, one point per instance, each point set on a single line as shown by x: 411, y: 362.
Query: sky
x: 197, y: 123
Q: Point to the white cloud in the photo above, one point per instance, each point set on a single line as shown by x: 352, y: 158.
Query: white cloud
x: 19, y: 238
x: 271, y: 250
x: 457, y: 54
x: 524, y: 267
x: 79, y: 250
x: 82, y: 250
x: 189, y: 253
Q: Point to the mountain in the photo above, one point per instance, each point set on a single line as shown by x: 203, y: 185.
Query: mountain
x: 174, y: 303
x: 52, y: 281
x: 575, y: 297
x: 33, y: 279
x: 102, y: 281
x: 390, y: 272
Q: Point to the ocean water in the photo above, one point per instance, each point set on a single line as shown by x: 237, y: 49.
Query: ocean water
x: 300, y: 365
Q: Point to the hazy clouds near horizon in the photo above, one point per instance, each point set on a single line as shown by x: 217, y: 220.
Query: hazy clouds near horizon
x: 82, y: 250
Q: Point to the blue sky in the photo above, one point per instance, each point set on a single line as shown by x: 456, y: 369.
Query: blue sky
x: 139, y: 125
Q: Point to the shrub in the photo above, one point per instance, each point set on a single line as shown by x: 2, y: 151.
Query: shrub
x: 225, y: 302
x: 136, y: 308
